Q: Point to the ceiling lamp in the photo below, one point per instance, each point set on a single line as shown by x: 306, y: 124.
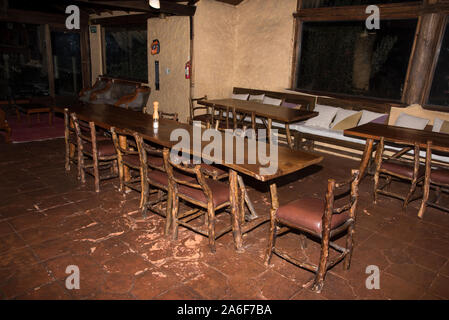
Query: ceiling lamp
x: 154, y: 4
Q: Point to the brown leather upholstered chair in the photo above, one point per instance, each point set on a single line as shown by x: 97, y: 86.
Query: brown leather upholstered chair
x: 188, y: 182
x: 321, y: 219
x: 399, y: 167
x: 436, y: 177
x: 100, y: 151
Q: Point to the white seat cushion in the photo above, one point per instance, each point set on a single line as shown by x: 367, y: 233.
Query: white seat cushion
x: 242, y: 96
x: 325, y: 116
x: 256, y: 97
x: 273, y: 101
x: 368, y: 116
x: 407, y: 121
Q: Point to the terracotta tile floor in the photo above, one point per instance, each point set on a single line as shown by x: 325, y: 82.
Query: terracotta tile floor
x: 49, y: 221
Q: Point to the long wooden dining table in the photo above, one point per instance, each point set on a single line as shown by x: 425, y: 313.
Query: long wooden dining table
x: 288, y: 161
x: 394, y: 134
x: 266, y: 112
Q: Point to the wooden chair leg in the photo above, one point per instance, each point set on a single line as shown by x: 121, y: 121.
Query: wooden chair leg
x: 271, y: 242
x: 174, y: 218
x: 170, y: 219
x: 322, y: 267
x: 211, y: 227
x: 376, y: 186
x: 349, y: 247
x: 409, y: 194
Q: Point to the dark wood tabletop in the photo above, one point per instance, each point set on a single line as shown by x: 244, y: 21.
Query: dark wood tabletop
x: 107, y: 116
x: 279, y: 113
x: 375, y: 131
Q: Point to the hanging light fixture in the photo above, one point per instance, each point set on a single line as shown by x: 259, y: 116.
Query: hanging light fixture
x: 154, y: 4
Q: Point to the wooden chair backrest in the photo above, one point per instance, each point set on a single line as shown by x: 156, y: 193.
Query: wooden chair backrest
x: 173, y: 163
x: 343, y: 187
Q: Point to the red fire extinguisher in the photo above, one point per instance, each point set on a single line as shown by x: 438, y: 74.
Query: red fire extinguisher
x: 187, y: 69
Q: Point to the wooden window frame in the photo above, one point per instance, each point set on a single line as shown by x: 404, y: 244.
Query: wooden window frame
x: 429, y: 81
x: 103, y: 49
x: 394, y: 11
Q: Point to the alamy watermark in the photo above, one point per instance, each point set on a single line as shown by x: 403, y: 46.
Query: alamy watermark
x: 373, y: 281
x: 373, y: 21
x: 240, y: 147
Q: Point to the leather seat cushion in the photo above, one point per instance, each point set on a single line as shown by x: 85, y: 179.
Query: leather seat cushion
x: 440, y: 176
x: 220, y: 192
x: 402, y: 169
x: 161, y: 178
x: 307, y: 213
x: 105, y: 148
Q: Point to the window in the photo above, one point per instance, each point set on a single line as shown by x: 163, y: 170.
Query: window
x: 126, y: 52
x: 338, y: 3
x: 23, y: 60
x: 439, y: 92
x: 346, y: 58
x: 66, y: 62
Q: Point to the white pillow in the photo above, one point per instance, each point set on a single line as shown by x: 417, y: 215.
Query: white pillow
x: 253, y: 97
x: 324, y: 118
x: 342, y: 114
x: 273, y: 101
x: 407, y: 121
x: 242, y: 96
x: 368, y: 116
x: 437, y: 123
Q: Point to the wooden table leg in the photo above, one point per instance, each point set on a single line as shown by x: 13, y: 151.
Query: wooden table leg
x: 126, y: 174
x: 366, y: 157
x: 269, y: 125
x: 235, y: 208
x: 274, y: 207
x: 234, y: 117
x: 50, y: 117
x: 289, y: 136
x: 426, y: 185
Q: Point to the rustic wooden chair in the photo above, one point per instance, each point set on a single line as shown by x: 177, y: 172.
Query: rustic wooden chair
x: 321, y: 219
x: 71, y: 145
x: 128, y: 160
x: 5, y: 126
x: 204, y: 118
x: 436, y: 177
x: 101, y: 152
x: 399, y: 167
x: 153, y: 169
x: 207, y: 194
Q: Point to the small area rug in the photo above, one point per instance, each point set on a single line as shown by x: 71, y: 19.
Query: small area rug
x: 38, y: 131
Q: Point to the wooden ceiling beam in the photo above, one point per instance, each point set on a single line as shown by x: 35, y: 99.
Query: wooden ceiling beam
x: 125, y: 20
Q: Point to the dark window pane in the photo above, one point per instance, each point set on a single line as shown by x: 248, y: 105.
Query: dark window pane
x: 126, y: 52
x: 439, y: 92
x: 67, y: 62
x: 339, y: 3
x: 23, y: 63
x: 344, y: 57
